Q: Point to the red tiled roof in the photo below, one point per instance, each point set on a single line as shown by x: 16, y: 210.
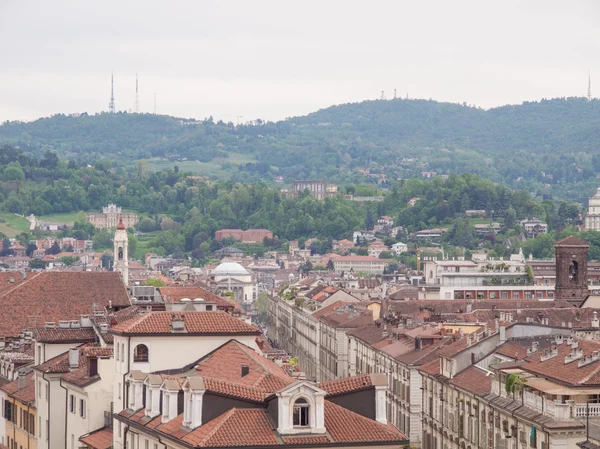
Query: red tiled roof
x: 345, y: 426
x: 235, y: 390
x: 473, y: 380
x: 225, y: 430
x: 569, y: 373
x: 432, y: 367
x: 54, y: 296
x: 346, y: 384
x: 99, y: 439
x: 9, y: 280
x: 25, y: 394
x: 58, y: 335
x: 513, y: 350
x: 208, y: 323
x: 225, y: 363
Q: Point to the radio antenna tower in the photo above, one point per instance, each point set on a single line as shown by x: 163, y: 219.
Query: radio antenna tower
x: 137, y: 96
x: 111, y: 105
x: 394, y: 94
x: 589, y: 97
x: 382, y: 95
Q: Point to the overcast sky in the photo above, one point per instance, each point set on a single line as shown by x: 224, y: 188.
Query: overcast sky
x: 275, y: 59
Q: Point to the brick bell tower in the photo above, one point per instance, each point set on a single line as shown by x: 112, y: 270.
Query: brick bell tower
x: 571, y: 268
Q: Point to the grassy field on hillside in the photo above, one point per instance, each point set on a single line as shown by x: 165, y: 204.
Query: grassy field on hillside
x: 11, y: 224
x: 212, y: 168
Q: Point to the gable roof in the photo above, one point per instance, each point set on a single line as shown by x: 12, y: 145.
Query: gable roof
x: 25, y: 394
x: 350, y: 384
x: 176, y: 294
x: 59, y: 295
x: 70, y: 335
x: 572, y: 241
x: 196, y: 323
x: 474, y: 380
x: 225, y: 363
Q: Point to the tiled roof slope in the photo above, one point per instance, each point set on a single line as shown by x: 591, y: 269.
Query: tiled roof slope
x: 473, y: 380
x: 58, y: 335
x: 347, y: 384
x: 9, y: 280
x: 225, y: 363
x: 343, y: 427
x: 25, y: 394
x: 208, y: 323
x: 567, y: 373
x: 99, y: 439
x: 54, y: 296
x: 80, y: 376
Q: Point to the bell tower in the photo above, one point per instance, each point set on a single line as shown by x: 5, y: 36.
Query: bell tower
x: 121, y: 263
x: 571, y: 268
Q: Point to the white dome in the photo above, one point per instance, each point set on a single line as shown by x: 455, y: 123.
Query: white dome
x: 230, y: 269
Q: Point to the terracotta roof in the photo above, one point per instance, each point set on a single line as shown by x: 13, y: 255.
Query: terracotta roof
x: 25, y: 394
x: 54, y: 296
x: 370, y: 334
x: 207, y: 323
x: 225, y: 363
x: 345, y: 426
x: 9, y: 280
x: 225, y: 430
x: 473, y: 380
x: 346, y: 384
x: 58, y: 335
x: 58, y: 364
x: 432, y: 367
x: 345, y: 315
x: 235, y: 390
x: 99, y: 439
x: 572, y: 241
x: 567, y: 373
x: 454, y: 348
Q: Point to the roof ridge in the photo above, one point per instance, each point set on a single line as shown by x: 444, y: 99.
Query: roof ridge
x: 23, y: 282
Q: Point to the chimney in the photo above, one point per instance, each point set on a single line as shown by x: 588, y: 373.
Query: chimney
x: 49, y: 325
x: 245, y: 371
x: 21, y: 380
x: 92, y: 366
x: 502, y: 333
x: 73, y: 358
x: 595, y: 322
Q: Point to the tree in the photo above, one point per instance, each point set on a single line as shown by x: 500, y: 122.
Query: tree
x: 369, y: 220
x: 37, y: 264
x: 5, y: 246
x: 330, y: 265
x: 306, y: 267
x: 30, y: 249
x: 510, y: 218
x: 146, y: 225
x: 154, y: 282
x: 261, y: 305
x: 68, y: 260
x: 13, y: 173
x: 386, y: 255
x: 54, y: 249
x: 514, y: 384
x: 107, y: 261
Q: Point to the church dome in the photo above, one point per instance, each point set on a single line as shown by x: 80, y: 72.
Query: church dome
x: 230, y: 269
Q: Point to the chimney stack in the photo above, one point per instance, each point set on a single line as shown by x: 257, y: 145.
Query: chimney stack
x: 21, y: 380
x: 245, y: 371
x: 73, y: 358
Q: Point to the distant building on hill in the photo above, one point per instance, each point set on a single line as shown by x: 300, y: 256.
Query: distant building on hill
x: 592, y: 219
x: 248, y: 236
x: 317, y: 189
x: 109, y: 218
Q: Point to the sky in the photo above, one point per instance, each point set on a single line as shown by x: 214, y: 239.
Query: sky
x: 272, y: 59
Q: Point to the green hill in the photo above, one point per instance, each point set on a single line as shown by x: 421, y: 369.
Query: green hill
x: 551, y: 146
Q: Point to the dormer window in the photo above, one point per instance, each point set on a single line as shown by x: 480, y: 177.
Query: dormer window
x: 301, y: 413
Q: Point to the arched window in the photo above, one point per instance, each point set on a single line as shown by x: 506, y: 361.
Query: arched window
x: 140, y: 353
x: 573, y: 271
x: 301, y: 412
x: 120, y: 252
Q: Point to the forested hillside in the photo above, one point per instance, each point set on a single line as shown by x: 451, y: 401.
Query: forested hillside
x: 550, y: 146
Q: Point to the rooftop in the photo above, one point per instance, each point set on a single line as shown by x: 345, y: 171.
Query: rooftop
x: 198, y: 323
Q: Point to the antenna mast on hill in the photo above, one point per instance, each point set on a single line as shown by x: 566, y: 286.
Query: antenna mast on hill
x: 382, y: 95
x: 394, y: 94
x: 137, y: 96
x: 111, y: 105
x: 590, y: 86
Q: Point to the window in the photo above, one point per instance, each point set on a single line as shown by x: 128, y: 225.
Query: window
x: 82, y: 408
x: 117, y: 355
x: 39, y: 389
x: 140, y: 353
x: 146, y: 444
x: 72, y: 403
x: 40, y: 427
x: 301, y: 410
x: 47, y: 392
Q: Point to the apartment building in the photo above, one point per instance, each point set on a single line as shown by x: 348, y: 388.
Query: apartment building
x: 233, y: 397
x: 359, y: 264
x: 19, y: 413
x: 110, y: 216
